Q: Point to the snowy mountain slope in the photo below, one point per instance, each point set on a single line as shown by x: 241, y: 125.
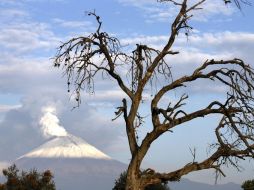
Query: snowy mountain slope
x: 75, y: 164
x: 68, y: 146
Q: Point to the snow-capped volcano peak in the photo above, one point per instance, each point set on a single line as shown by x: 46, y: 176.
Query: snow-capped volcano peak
x: 68, y: 146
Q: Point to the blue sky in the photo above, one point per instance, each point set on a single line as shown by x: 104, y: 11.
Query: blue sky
x: 30, y: 32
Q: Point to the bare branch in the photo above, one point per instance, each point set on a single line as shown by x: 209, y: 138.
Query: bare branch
x: 79, y: 58
x: 83, y: 58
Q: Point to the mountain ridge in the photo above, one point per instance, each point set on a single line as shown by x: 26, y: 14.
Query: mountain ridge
x: 194, y: 185
x: 68, y: 146
x: 75, y: 164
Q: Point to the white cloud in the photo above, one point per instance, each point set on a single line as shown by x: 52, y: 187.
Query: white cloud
x: 200, y: 47
x: 219, y: 38
x: 45, y: 0
x: 212, y: 43
x: 162, y: 12
x: 107, y: 95
x: 6, y: 108
x: 21, y: 2
x: 27, y: 37
x: 29, y: 71
x: 19, y: 34
x: 211, y: 9
x: 28, y: 75
x: 231, y: 44
x: 10, y: 2
x: 12, y: 13
x: 144, y: 40
x: 73, y: 23
x: 139, y: 3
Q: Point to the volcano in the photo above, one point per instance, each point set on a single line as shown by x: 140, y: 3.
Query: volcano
x: 75, y: 164
x: 68, y: 146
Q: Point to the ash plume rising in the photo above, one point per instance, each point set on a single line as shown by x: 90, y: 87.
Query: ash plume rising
x: 49, y: 123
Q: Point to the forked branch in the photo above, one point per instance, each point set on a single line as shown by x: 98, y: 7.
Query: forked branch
x: 84, y: 57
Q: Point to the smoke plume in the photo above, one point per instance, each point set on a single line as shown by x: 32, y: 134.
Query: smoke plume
x: 50, y: 123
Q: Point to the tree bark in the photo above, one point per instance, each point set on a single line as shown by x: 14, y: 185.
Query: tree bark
x: 133, y: 181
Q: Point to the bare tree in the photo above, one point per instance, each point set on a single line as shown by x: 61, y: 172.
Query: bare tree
x: 78, y: 57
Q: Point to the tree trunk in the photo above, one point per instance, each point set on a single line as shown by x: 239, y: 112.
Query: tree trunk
x: 133, y: 181
x: 133, y: 184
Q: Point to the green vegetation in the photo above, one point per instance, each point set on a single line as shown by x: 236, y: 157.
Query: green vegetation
x: 248, y: 185
x: 32, y: 180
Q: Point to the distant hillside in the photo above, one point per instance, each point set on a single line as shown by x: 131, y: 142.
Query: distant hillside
x: 186, y: 184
